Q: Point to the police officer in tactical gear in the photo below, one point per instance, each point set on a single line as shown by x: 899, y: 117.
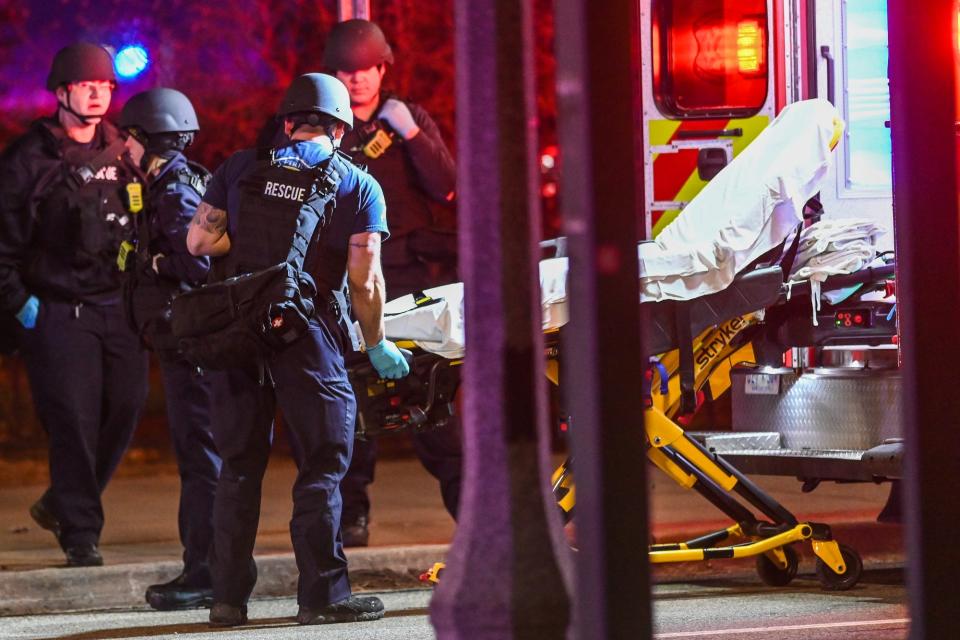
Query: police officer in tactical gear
x: 252, y: 195
x: 162, y: 124
x: 69, y: 196
x: 403, y: 150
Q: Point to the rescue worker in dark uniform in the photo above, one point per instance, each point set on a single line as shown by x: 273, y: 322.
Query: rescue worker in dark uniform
x: 251, y: 195
x: 402, y: 148
x: 162, y: 124
x: 69, y: 194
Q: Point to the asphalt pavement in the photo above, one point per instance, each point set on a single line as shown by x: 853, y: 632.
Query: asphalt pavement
x: 721, y: 609
x: 410, y: 530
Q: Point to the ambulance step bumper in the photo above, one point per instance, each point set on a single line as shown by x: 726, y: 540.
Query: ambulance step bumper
x: 761, y: 453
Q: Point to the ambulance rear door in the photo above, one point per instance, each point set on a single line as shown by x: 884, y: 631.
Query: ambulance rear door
x: 708, y: 91
x: 851, y: 52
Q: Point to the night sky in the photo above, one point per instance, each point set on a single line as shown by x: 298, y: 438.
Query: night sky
x: 233, y: 59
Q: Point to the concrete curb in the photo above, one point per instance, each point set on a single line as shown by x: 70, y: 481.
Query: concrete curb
x: 123, y: 585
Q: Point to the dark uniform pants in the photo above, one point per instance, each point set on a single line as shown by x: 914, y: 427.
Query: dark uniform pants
x: 88, y: 376
x: 440, y: 452
x: 312, y: 391
x: 188, y: 398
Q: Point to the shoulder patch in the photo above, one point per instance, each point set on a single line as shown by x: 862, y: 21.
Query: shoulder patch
x: 194, y: 176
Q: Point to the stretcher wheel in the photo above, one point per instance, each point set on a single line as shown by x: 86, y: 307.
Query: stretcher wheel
x: 776, y: 576
x: 831, y: 581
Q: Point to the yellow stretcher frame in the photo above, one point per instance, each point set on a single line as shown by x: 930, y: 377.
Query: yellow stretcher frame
x: 716, y: 351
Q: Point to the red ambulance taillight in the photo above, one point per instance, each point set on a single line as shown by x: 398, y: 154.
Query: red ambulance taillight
x: 710, y: 57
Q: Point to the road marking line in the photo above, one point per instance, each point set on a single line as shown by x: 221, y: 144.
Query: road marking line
x: 792, y: 627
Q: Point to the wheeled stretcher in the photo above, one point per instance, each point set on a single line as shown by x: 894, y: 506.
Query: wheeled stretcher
x: 702, y: 318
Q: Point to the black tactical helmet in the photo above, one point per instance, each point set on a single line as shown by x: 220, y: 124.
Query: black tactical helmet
x: 80, y: 61
x: 318, y: 93
x: 159, y: 110
x: 356, y: 44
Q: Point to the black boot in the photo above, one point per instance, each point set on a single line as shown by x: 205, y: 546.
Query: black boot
x: 44, y: 517
x: 355, y: 532
x: 352, y: 609
x: 227, y: 615
x: 83, y: 555
x: 182, y: 592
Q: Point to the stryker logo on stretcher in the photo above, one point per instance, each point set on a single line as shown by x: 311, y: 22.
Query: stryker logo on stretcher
x: 285, y: 191
x: 724, y: 335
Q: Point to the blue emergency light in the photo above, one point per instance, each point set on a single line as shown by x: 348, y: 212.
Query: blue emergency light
x: 131, y: 61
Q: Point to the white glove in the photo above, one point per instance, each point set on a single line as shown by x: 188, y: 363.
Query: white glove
x: 155, y: 259
x: 398, y: 116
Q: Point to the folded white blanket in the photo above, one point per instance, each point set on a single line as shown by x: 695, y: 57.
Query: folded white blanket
x: 834, y: 247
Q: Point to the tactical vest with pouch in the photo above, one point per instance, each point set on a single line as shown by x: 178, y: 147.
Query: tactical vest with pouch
x: 85, y: 209
x: 267, y: 299
x: 82, y: 205
x: 147, y: 294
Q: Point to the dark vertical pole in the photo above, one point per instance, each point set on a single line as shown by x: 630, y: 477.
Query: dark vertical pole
x: 812, y: 49
x: 923, y: 112
x: 503, y: 579
x: 598, y: 90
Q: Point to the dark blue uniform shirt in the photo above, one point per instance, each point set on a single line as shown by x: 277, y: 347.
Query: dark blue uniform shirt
x: 172, y: 204
x: 360, y: 206
x: 359, y: 192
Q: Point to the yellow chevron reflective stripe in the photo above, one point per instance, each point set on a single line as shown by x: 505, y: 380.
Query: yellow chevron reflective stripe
x: 661, y: 131
x: 751, y: 129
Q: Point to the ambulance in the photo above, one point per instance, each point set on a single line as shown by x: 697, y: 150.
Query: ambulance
x: 715, y: 73
x: 791, y: 391
x: 781, y: 360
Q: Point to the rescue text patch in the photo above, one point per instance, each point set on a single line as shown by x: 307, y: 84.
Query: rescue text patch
x: 286, y: 191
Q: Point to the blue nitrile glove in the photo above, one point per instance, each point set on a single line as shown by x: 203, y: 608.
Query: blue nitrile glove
x: 27, y: 316
x: 398, y: 116
x: 387, y: 360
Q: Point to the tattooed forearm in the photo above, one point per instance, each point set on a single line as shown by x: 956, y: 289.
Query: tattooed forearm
x: 210, y: 219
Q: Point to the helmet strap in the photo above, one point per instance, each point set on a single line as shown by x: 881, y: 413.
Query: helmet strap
x: 84, y: 119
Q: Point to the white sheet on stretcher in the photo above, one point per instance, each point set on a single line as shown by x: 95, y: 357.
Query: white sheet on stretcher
x: 750, y: 207
x: 746, y: 210
x: 438, y: 327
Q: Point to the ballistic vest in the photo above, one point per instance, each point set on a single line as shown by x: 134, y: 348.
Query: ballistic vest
x: 280, y: 210
x: 146, y: 294
x: 85, y: 209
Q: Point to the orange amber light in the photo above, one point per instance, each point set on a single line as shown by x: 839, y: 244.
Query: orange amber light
x: 750, y: 47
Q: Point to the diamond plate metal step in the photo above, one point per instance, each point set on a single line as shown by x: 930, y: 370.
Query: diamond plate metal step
x: 762, y: 453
